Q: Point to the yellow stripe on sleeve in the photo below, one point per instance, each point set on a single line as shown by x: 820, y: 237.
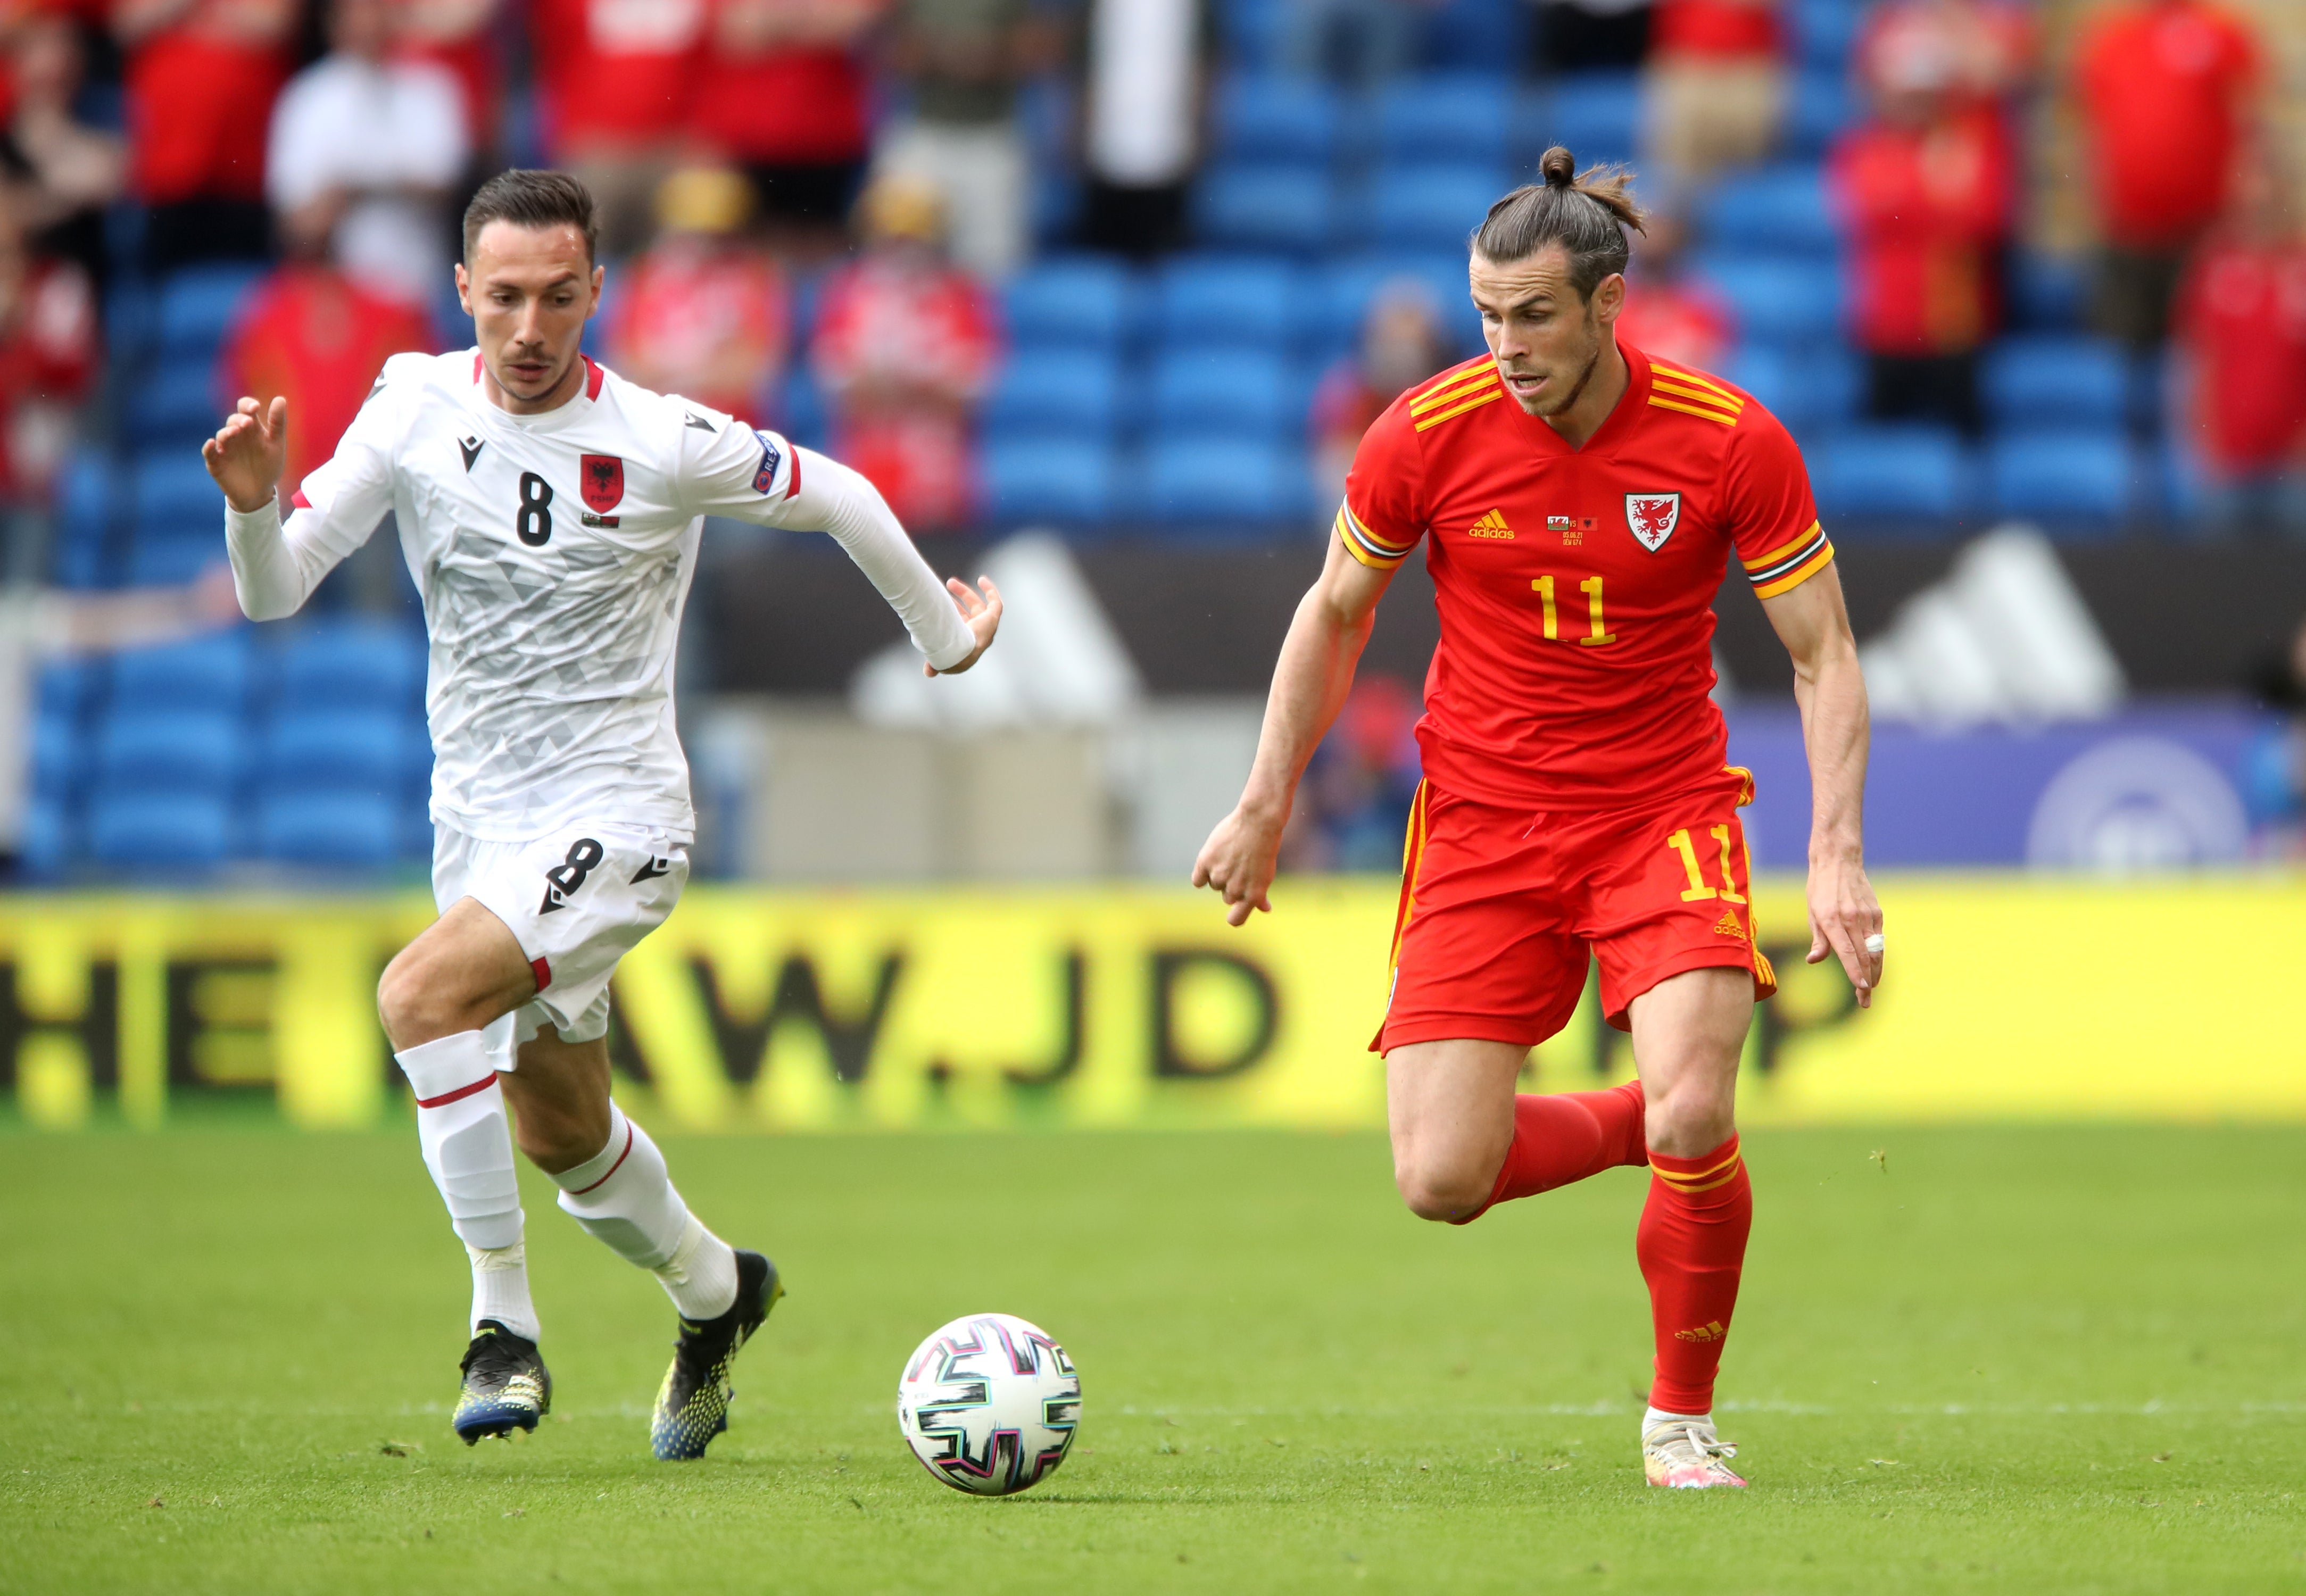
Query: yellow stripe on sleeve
x: 1703, y: 395
x: 1785, y: 550
x: 1800, y: 574
x: 1694, y: 381
x: 1438, y: 417
x: 1712, y: 415
x: 1434, y: 401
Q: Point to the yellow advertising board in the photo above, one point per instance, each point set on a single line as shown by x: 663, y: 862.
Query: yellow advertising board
x: 2006, y: 997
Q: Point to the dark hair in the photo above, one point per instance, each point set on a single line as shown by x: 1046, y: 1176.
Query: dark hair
x: 1586, y: 215
x: 533, y: 199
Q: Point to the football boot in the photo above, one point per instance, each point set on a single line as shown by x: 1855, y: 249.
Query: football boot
x: 1685, y: 1454
x: 692, y: 1405
x: 507, y: 1386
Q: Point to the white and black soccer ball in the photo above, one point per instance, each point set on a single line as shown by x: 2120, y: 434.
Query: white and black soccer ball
x: 988, y: 1403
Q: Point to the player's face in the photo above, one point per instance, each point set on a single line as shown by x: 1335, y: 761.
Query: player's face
x: 530, y: 291
x: 1545, y: 338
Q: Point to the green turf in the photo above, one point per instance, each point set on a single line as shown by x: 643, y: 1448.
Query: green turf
x: 2002, y: 1359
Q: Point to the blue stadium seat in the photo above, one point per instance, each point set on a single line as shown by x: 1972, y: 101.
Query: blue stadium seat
x: 1333, y: 312
x: 2078, y: 481
x: 1907, y: 474
x: 1063, y: 480
x: 333, y: 830
x: 207, y: 673
x: 1070, y: 303
x: 177, y: 401
x: 181, y: 750
x: 1225, y: 300
x: 1244, y: 393
x: 87, y: 497
x: 1431, y: 207
x: 1275, y: 118
x: 45, y: 846
x: 1266, y: 207
x: 59, y: 755
x: 1823, y: 106
x: 1253, y: 32
x: 1215, y: 480
x: 197, y: 308
x: 1486, y: 37
x: 1444, y: 119
x: 1824, y: 30
x: 1779, y: 299
x: 160, y: 557
x: 350, y: 664
x: 2048, y: 292
x: 172, y: 491
x: 1813, y: 391
x: 2030, y: 382
x: 362, y: 750
x: 1056, y: 393
x: 1770, y: 375
x: 159, y: 830
x: 1596, y: 115
x: 67, y: 687
x: 1776, y: 210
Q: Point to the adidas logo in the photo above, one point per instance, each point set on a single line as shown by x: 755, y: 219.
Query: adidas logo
x: 1491, y: 525
x: 1728, y: 925
x: 1707, y: 1332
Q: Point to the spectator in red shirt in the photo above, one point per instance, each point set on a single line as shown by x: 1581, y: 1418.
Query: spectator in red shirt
x: 1668, y: 313
x: 703, y: 313
x: 905, y: 343
x: 2241, y: 324
x: 782, y: 93
x: 618, y: 78
x: 201, y: 78
x: 1715, y: 89
x: 47, y: 361
x: 2169, y: 91
x: 1402, y: 345
x: 1926, y: 190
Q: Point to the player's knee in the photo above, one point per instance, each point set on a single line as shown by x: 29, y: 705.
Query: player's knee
x: 1440, y: 1189
x: 1691, y: 1120
x: 417, y: 1004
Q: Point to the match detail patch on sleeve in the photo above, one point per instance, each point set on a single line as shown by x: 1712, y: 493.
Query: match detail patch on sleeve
x: 771, y: 456
x: 1366, y: 546
x: 1788, y: 567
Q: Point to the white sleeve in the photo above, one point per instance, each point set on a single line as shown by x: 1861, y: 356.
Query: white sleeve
x: 763, y: 478
x: 275, y: 566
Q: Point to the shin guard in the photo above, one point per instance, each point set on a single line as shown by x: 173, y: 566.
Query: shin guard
x: 465, y: 1137
x: 1692, y: 1247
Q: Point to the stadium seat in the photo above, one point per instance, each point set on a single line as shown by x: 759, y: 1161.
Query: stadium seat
x: 176, y: 750
x: 1266, y: 207
x: 1070, y: 303
x: 1901, y: 474
x: 87, y: 496
x: 1063, y: 480
x: 339, y: 830
x: 1770, y: 376
x: 312, y: 750
x: 177, y: 401
x: 1776, y: 210
x: 2048, y: 292
x: 1245, y: 393
x: 67, y: 687
x: 1486, y: 37
x: 171, y: 490
x: 2078, y: 481
x: 1824, y: 30
x: 207, y: 673
x: 1056, y: 393
x: 1227, y: 481
x: 349, y: 664
x: 1252, y: 31
x: 2029, y: 382
x: 1779, y: 299
x: 57, y: 754
x: 1225, y: 301
x: 1265, y: 119
x: 159, y: 830
x: 1444, y: 119
x: 1333, y: 312
x: 1596, y: 115
x: 1431, y: 207
x: 168, y: 558
x: 197, y: 307
x: 1822, y: 107
x: 44, y: 849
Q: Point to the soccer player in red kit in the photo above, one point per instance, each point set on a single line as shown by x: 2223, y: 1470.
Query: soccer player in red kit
x: 1577, y: 501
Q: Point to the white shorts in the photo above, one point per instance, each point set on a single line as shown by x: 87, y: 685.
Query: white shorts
x: 576, y: 902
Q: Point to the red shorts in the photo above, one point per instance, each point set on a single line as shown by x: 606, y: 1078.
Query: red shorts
x: 1500, y: 907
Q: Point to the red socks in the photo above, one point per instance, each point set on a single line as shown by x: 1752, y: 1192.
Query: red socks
x: 1692, y: 1245
x: 1563, y: 1137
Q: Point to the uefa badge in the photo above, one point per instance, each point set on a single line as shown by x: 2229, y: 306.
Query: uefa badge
x: 1651, y: 517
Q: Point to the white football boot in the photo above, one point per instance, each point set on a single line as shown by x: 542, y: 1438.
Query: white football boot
x: 1685, y: 1454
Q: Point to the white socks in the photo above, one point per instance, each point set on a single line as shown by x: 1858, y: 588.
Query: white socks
x: 467, y: 1145
x: 625, y: 1198
x: 1651, y: 1418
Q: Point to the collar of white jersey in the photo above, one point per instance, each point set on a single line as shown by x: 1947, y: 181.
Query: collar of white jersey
x: 595, y: 376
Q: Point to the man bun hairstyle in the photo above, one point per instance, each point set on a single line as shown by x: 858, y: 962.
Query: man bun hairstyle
x: 533, y: 199
x: 1586, y: 215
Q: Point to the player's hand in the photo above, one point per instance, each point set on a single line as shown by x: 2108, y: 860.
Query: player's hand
x: 248, y: 454
x: 1238, y: 861
x: 982, y: 616
x: 1843, y: 912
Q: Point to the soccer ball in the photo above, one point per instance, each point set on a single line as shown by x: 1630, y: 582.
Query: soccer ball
x: 988, y: 1403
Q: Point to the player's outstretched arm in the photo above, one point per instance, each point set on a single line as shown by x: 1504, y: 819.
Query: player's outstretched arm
x: 952, y: 626
x: 1814, y: 625
x: 1310, y: 683
x: 248, y: 454
x: 981, y: 611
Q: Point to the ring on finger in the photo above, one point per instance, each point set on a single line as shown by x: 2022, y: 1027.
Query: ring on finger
x: 1873, y: 944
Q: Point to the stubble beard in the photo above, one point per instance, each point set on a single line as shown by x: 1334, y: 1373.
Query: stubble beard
x: 1568, y: 401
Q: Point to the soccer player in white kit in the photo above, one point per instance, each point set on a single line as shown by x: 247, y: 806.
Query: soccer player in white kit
x: 550, y: 513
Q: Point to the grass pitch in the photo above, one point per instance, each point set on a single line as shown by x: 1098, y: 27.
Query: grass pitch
x: 2001, y: 1360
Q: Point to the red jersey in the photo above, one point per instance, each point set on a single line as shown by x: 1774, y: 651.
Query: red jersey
x: 1575, y: 586
x: 1926, y: 207
x: 2242, y: 316
x: 2162, y: 87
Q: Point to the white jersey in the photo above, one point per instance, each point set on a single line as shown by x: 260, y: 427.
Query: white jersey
x: 554, y: 553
